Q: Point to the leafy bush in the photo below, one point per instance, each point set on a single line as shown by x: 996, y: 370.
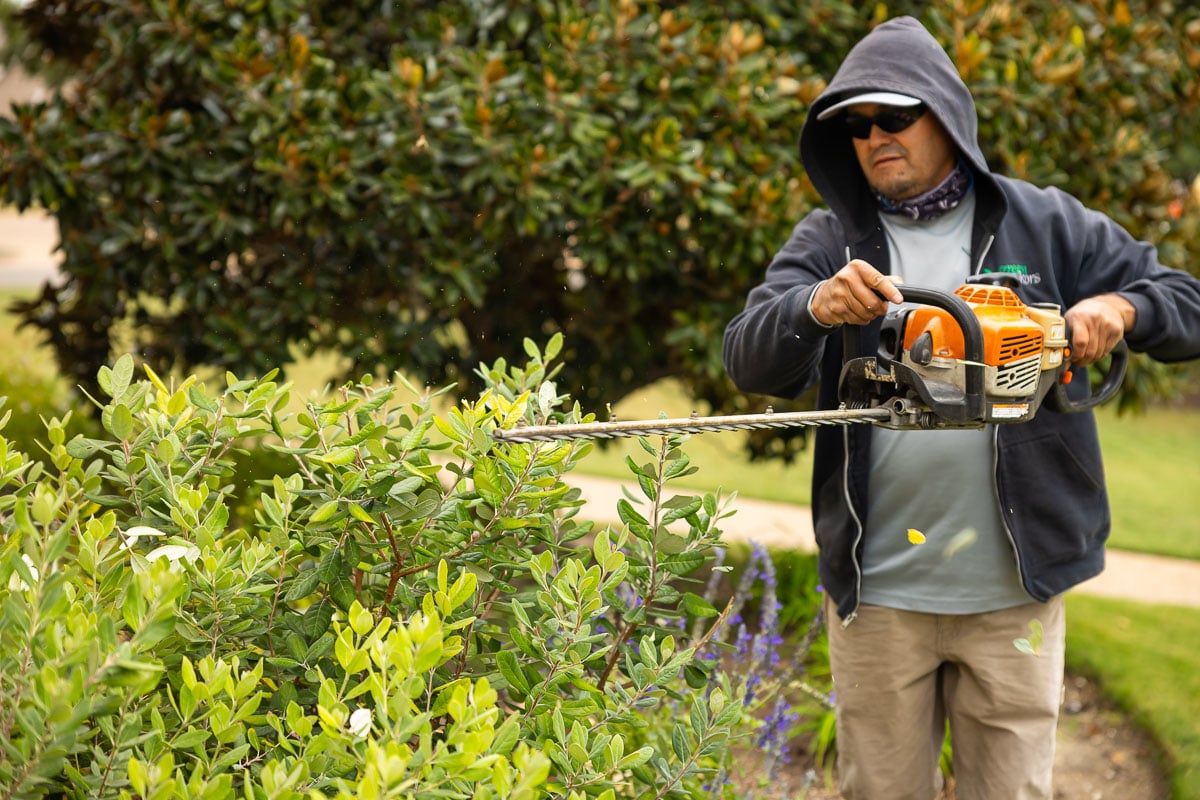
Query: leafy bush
x: 410, y: 610
x: 420, y: 185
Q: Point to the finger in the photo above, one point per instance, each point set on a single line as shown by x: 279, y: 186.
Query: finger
x: 872, y: 279
x: 844, y: 304
x: 1103, y: 346
x: 847, y: 311
x: 882, y: 286
x: 841, y: 307
x: 1083, y: 345
x: 856, y: 294
x: 868, y: 303
x: 1100, y: 340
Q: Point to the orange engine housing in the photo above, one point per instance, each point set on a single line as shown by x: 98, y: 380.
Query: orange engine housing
x: 1010, y: 333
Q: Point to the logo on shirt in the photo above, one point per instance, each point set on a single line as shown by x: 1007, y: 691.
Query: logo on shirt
x: 1021, y: 271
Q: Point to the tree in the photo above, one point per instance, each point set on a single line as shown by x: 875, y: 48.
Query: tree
x: 421, y: 185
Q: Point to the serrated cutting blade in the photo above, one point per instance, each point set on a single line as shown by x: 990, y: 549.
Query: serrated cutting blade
x: 617, y: 429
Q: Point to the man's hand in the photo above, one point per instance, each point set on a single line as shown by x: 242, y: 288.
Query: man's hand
x: 1097, y: 324
x: 854, y: 295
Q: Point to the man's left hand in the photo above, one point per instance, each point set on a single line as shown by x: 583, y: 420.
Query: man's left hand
x: 1097, y: 324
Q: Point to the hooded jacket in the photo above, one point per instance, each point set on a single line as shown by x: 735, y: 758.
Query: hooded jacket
x: 1048, y: 471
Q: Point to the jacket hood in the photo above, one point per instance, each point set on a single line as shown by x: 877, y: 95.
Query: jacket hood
x: 897, y: 56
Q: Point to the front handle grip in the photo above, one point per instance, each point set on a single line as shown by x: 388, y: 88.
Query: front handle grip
x: 1060, y: 401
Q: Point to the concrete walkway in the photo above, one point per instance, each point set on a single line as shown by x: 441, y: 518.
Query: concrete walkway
x: 27, y: 244
x: 27, y: 259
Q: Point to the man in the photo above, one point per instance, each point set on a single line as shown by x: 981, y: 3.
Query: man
x: 1012, y: 515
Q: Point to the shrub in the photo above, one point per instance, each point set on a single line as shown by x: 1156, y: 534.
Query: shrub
x: 420, y: 186
x: 410, y: 610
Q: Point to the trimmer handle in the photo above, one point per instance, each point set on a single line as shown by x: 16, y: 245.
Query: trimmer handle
x: 963, y: 405
x: 972, y: 333
x: 958, y: 310
x: 1059, y: 401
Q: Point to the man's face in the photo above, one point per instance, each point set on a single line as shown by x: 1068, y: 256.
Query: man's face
x: 905, y: 164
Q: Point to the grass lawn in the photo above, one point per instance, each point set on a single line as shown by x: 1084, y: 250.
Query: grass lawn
x: 1152, y: 466
x: 1145, y: 658
x: 22, y: 346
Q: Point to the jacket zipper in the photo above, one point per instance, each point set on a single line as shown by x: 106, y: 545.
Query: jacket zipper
x: 1012, y: 540
x: 858, y: 536
x: 986, y: 247
x: 853, y: 512
x: 850, y: 503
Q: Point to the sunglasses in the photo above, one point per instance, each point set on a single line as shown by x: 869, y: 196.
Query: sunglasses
x: 893, y: 120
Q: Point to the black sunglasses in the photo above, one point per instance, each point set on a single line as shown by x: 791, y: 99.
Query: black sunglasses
x: 893, y: 120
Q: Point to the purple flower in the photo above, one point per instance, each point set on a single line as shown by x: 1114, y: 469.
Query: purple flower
x: 773, y: 737
x: 767, y: 640
x: 742, y: 645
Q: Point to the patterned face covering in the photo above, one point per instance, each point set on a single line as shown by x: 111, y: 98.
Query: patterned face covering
x: 934, y: 203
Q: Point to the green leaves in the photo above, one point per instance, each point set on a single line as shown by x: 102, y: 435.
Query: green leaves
x: 510, y: 669
x: 287, y: 616
x: 115, y: 381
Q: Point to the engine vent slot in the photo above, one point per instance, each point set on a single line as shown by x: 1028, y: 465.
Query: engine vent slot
x: 1019, y: 377
x: 989, y: 296
x: 1014, y: 348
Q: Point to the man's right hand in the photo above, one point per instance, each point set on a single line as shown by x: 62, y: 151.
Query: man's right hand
x: 854, y: 295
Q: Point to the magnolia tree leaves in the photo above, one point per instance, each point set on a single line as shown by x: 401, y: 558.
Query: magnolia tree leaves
x: 421, y: 186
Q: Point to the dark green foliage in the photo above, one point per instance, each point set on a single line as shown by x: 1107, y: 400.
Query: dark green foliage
x: 421, y: 185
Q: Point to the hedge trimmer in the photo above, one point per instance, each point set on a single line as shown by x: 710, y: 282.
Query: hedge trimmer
x: 962, y: 360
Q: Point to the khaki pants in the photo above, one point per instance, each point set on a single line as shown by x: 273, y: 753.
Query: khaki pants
x: 899, y: 676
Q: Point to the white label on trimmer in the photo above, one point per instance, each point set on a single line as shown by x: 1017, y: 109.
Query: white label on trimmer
x: 1011, y: 411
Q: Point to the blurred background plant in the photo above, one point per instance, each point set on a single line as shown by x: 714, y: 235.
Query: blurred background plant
x: 419, y: 186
